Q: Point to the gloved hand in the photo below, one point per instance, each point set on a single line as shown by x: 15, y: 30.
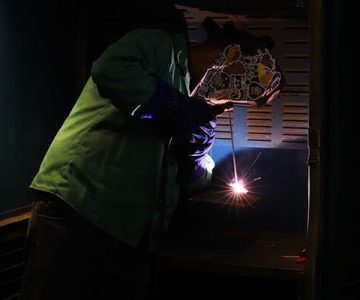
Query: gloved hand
x: 193, y: 149
x: 176, y: 111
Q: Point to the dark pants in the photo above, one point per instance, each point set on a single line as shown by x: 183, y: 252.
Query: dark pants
x: 68, y: 258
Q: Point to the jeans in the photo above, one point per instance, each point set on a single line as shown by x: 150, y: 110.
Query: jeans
x: 69, y: 258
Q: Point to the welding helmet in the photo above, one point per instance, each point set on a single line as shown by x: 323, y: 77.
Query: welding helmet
x: 244, y: 72
x: 252, y: 79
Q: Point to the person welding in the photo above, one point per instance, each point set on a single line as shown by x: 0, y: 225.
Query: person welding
x: 109, y: 183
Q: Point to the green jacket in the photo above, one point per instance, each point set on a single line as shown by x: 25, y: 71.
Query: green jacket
x: 109, y: 166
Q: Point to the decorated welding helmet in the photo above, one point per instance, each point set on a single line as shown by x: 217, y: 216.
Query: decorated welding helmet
x: 247, y: 77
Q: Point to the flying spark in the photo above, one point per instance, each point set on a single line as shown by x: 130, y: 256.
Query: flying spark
x: 239, y: 190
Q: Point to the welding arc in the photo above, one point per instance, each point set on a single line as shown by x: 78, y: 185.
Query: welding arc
x: 233, y: 148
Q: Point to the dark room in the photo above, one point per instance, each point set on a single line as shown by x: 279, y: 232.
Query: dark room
x: 189, y: 149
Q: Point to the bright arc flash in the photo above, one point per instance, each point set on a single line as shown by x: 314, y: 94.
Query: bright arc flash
x: 239, y: 187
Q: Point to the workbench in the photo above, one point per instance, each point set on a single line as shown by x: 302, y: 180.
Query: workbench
x: 208, y: 254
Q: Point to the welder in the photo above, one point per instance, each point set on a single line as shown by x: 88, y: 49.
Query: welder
x: 109, y: 182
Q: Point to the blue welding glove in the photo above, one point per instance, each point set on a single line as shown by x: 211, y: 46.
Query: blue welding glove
x: 193, y: 149
x: 177, y: 112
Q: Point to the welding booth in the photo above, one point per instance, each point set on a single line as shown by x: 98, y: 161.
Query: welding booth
x: 262, y: 234
x: 289, y: 237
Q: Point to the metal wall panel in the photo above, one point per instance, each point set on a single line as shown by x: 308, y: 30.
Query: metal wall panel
x: 283, y: 124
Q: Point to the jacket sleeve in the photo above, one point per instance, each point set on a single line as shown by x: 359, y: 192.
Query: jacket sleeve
x: 124, y: 72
